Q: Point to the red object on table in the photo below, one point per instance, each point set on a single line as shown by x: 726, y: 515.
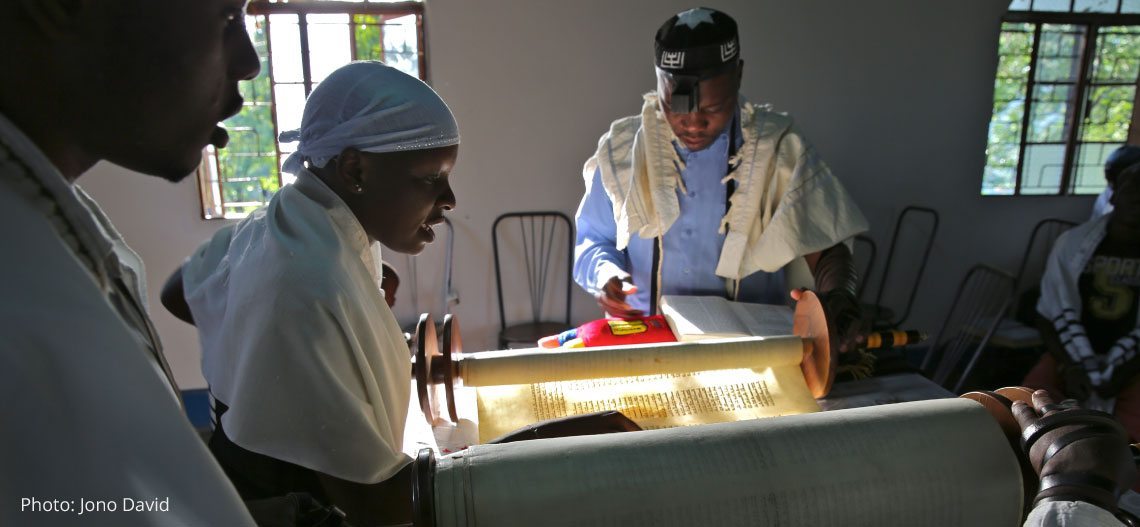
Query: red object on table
x: 618, y: 331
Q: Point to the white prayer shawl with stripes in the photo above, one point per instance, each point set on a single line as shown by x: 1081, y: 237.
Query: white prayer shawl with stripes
x: 786, y: 203
x: 1060, y: 303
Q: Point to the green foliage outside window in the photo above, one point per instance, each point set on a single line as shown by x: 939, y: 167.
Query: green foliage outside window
x: 1105, y: 114
x: 1114, y: 76
x: 367, y: 36
x: 1014, y: 55
x: 248, y: 169
x: 248, y: 165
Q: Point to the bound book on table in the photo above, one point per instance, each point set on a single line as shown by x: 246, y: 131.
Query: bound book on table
x: 704, y: 317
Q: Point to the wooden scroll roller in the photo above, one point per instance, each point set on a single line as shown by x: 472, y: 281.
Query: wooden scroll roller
x: 423, y: 488
x: 999, y: 403
x: 427, y: 357
x: 426, y: 346
x: 811, y: 335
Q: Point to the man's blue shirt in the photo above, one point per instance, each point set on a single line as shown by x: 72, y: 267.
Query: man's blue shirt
x: 691, y: 247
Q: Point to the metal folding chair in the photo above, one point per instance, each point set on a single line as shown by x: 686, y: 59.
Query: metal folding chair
x: 983, y: 298
x: 912, y: 240
x: 539, y: 234
x: 864, y: 255
x: 1017, y: 330
x: 1037, y: 250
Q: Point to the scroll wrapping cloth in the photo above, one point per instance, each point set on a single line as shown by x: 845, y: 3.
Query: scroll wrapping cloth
x: 315, y: 373
x: 786, y: 203
x: 373, y: 108
x: 1060, y: 303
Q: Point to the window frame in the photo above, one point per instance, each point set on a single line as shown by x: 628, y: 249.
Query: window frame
x: 1078, y: 107
x: 209, y: 172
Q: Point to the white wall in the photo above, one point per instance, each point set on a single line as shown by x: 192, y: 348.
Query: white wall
x: 896, y: 95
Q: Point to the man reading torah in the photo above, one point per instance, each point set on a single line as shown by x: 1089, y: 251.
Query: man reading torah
x: 706, y: 193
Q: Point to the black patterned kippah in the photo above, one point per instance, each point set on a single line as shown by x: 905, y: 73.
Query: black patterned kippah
x: 696, y: 40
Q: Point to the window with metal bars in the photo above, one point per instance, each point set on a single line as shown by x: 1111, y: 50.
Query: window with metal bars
x: 1064, y: 95
x: 299, y: 43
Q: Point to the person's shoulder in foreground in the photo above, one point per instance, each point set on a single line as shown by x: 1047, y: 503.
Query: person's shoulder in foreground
x: 96, y: 433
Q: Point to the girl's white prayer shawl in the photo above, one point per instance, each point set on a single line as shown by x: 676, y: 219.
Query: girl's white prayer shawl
x: 786, y: 203
x: 297, y: 339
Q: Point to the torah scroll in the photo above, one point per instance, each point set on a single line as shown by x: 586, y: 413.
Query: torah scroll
x: 657, y: 386
x: 942, y: 463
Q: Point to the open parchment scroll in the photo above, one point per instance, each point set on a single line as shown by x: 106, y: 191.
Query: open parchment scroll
x: 701, y: 382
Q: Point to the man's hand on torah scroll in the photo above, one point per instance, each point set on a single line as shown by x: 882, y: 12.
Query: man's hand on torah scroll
x: 836, y: 281
x: 612, y: 298
x: 1081, y: 455
x: 843, y: 315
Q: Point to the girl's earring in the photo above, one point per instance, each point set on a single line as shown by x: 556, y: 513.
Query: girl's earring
x: 357, y: 188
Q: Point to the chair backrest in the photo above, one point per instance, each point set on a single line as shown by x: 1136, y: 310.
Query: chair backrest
x: 538, y: 235
x: 1037, y: 251
x: 864, y: 255
x: 983, y: 298
x: 906, y: 260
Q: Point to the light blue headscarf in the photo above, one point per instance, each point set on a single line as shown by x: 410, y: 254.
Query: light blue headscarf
x: 374, y: 108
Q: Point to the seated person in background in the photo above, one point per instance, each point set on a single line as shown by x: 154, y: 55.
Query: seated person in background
x: 389, y: 282
x: 1118, y: 160
x: 307, y: 364
x: 1090, y: 309
x: 719, y: 196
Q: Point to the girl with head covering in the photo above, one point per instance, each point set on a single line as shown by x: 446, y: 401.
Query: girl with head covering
x: 305, y: 360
